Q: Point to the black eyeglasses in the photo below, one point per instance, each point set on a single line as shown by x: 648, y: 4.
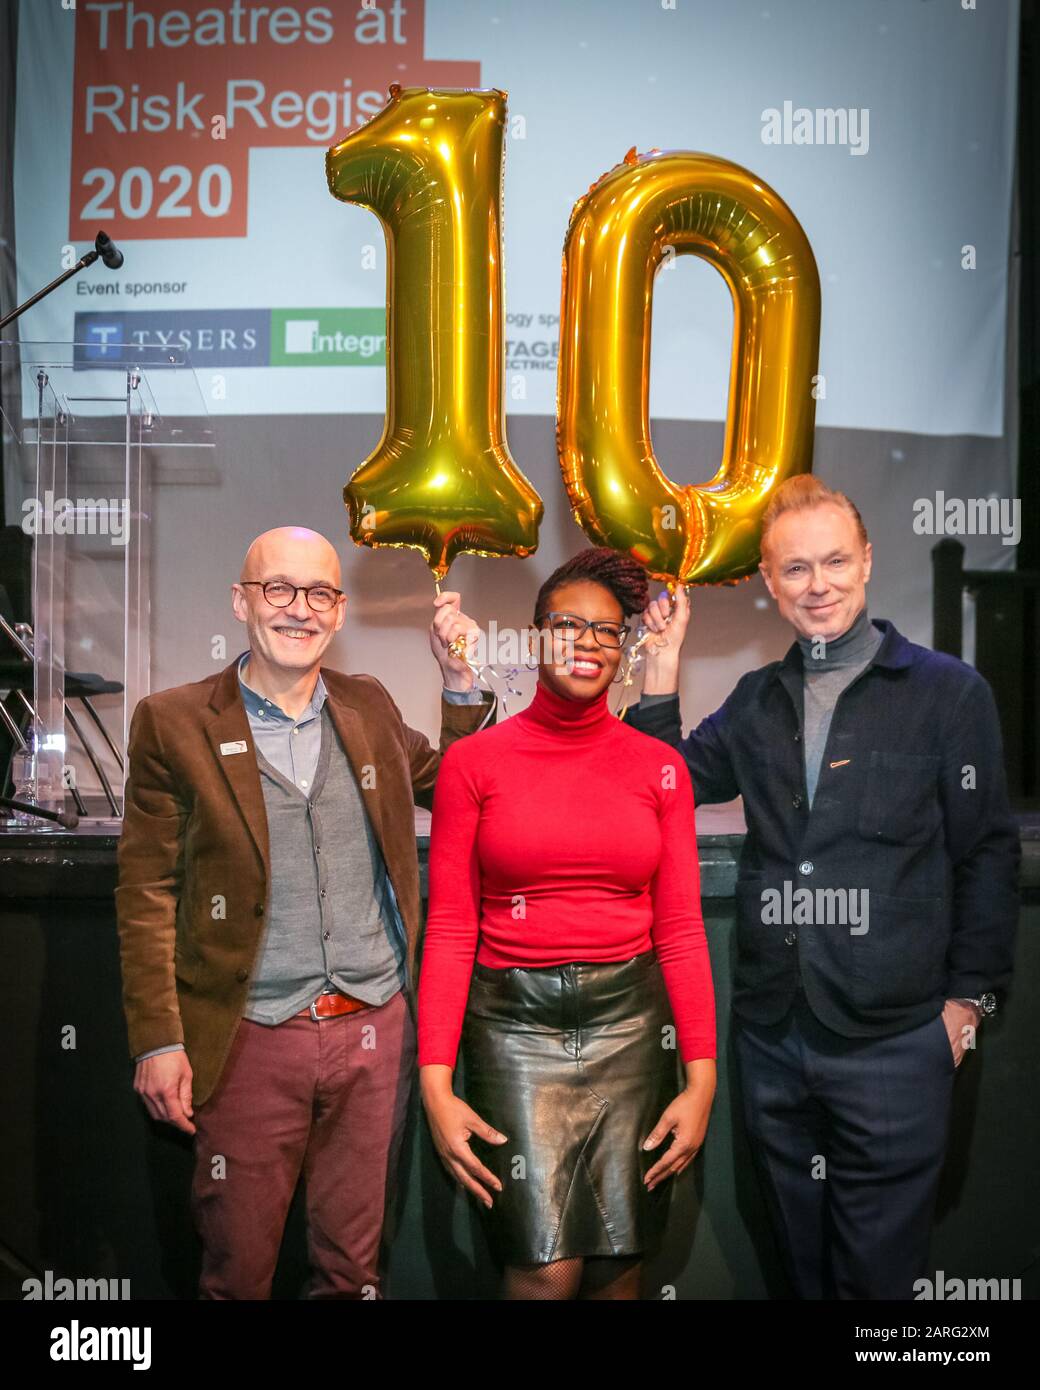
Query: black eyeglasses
x: 320, y: 597
x: 571, y: 626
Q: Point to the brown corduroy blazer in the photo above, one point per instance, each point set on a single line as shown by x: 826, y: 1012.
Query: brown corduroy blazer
x: 194, y: 862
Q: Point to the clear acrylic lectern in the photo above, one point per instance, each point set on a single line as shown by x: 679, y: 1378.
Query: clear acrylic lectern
x: 90, y: 415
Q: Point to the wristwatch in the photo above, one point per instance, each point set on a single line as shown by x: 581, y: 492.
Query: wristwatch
x: 985, y: 1003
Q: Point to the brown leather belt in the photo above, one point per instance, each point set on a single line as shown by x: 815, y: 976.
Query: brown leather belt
x: 333, y: 1005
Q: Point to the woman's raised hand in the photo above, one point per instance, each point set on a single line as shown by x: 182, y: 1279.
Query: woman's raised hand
x: 667, y: 620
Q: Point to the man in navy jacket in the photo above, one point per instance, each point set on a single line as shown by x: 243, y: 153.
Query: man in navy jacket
x: 876, y: 897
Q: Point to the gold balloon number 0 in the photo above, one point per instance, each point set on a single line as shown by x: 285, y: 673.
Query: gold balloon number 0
x: 442, y: 480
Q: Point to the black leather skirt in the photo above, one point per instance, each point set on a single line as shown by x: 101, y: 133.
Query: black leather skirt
x: 574, y: 1064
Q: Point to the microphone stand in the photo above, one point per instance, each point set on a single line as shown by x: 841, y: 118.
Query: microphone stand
x: 68, y: 820
x: 103, y: 248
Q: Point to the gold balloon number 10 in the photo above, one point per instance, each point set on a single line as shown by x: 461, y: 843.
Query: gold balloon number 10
x: 442, y: 480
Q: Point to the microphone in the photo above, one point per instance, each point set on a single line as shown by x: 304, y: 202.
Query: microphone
x: 108, y: 251
x: 104, y: 249
x: 68, y: 820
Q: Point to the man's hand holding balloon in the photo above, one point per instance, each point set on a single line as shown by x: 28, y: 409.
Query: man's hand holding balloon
x: 667, y: 618
x: 452, y: 632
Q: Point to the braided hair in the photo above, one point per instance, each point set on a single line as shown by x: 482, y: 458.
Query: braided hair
x: 624, y: 577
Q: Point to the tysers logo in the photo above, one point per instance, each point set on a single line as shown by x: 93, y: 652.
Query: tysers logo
x: 211, y: 337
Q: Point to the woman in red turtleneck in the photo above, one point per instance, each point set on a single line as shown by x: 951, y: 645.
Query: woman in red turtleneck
x: 565, y: 947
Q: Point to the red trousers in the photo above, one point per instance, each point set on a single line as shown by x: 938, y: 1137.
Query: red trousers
x: 327, y: 1100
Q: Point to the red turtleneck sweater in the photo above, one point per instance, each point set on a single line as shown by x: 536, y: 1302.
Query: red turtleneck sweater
x: 561, y: 835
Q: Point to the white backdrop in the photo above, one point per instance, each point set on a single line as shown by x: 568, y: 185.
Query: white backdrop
x: 911, y: 340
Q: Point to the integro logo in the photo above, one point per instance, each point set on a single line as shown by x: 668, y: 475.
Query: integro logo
x: 328, y: 337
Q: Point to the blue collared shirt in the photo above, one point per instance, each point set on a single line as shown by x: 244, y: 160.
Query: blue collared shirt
x: 290, y: 745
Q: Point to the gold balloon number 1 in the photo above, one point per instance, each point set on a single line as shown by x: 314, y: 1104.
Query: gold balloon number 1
x: 442, y: 479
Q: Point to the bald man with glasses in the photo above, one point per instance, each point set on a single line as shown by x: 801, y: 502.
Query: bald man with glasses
x: 268, y: 908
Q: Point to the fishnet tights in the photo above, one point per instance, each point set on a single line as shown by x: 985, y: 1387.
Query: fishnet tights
x: 606, y: 1278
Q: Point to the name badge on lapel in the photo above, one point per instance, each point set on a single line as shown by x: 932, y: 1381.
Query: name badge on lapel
x: 239, y: 746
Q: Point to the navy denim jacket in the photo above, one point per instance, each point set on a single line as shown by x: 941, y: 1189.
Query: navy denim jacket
x: 911, y: 806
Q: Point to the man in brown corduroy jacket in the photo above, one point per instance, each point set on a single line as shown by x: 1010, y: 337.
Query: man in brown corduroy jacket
x: 268, y: 908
